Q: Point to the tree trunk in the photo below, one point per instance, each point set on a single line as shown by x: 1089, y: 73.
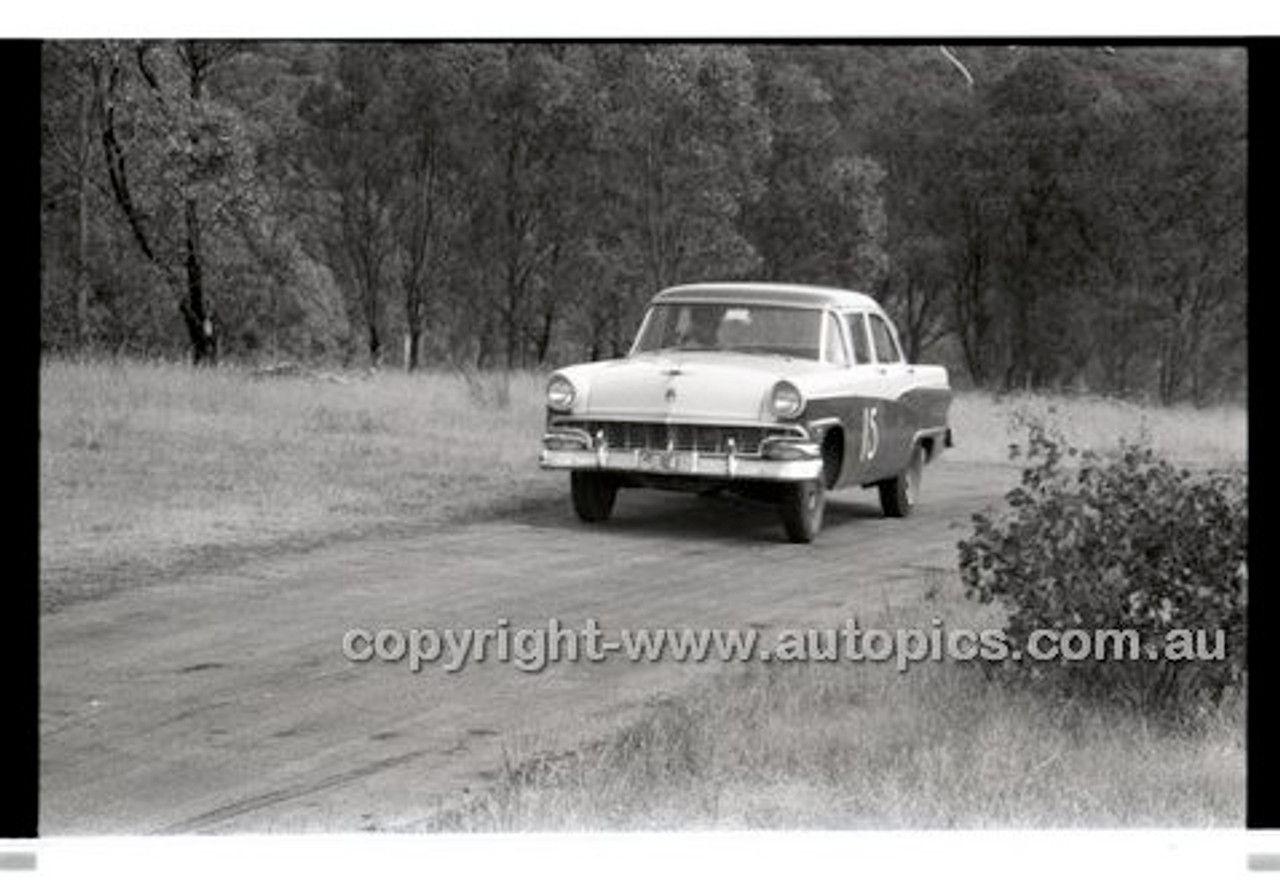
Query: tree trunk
x: 415, y: 351
x: 413, y: 340
x: 512, y: 332
x: 200, y: 323
x: 375, y: 340
x: 543, y: 345
x: 82, y: 228
x: 973, y: 322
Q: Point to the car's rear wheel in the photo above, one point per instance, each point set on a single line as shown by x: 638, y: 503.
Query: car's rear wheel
x: 802, y: 506
x: 593, y: 495
x: 899, y: 495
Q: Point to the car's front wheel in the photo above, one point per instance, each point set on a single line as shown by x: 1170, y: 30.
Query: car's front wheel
x: 899, y: 495
x: 802, y: 506
x: 593, y: 495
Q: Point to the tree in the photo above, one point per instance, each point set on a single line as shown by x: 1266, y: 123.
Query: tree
x: 821, y: 215
x: 1041, y: 215
x: 925, y: 126
x: 425, y: 113
x: 1181, y: 208
x: 355, y: 178
x: 530, y: 133
x: 169, y: 148
x: 68, y: 153
x: 678, y: 144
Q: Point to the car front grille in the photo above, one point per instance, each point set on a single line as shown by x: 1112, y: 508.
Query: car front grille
x: 704, y: 438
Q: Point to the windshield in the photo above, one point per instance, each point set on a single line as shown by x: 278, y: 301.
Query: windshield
x: 790, y: 331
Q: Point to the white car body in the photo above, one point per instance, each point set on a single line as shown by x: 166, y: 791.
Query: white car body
x: 805, y: 390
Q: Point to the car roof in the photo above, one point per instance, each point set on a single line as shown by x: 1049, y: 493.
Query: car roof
x: 768, y: 293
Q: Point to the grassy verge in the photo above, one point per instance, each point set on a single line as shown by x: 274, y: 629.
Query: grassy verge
x: 148, y: 470
x: 1215, y: 436
x: 849, y: 746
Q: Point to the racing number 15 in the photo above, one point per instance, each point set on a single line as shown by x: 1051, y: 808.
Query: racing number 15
x: 870, y: 432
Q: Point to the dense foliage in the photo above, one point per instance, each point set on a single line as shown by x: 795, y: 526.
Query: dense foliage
x: 1120, y: 542
x: 1034, y: 216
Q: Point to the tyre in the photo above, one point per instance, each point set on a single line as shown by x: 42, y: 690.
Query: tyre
x: 593, y: 495
x: 801, y: 506
x: 899, y: 495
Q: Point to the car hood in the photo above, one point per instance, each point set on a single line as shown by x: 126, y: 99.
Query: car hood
x: 683, y: 385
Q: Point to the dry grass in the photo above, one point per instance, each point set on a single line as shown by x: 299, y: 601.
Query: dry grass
x: 985, y: 424
x: 861, y: 746
x: 151, y: 468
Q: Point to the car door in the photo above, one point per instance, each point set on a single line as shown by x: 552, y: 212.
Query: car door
x: 866, y: 393
x: 892, y: 374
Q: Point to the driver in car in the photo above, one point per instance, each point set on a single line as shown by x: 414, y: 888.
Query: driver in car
x: 704, y: 325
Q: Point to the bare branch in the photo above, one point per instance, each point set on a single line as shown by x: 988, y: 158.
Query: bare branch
x: 952, y: 58
x: 140, y: 52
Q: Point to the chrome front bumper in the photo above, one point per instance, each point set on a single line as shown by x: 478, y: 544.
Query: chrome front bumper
x: 782, y: 459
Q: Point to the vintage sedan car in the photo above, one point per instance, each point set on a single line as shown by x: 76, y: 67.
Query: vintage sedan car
x: 780, y: 392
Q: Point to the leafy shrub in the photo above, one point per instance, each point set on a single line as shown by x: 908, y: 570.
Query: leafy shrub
x: 1118, y: 542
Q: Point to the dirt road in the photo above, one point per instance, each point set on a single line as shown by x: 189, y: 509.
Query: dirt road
x: 224, y: 703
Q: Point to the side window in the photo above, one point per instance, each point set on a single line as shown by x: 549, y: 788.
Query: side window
x: 861, y: 348
x: 835, y: 350
x: 886, y: 348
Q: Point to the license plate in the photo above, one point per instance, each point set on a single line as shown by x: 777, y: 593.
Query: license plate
x: 666, y: 462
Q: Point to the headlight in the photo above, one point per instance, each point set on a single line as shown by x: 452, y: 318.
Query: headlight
x: 560, y: 393
x: 786, y: 401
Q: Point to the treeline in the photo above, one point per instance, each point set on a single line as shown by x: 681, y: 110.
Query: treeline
x: 1042, y: 216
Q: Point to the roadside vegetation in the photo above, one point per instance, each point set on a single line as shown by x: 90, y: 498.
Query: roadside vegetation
x: 843, y: 746
x: 987, y: 423
x: 1126, y: 541
x: 149, y: 469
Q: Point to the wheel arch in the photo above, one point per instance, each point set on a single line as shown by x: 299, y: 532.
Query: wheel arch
x: 831, y: 439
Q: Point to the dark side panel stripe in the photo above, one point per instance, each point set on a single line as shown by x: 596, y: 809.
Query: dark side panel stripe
x: 879, y: 432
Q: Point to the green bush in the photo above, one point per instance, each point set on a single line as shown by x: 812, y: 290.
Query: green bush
x: 1124, y: 541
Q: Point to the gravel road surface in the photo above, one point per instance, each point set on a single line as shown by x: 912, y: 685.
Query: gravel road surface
x: 223, y: 702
